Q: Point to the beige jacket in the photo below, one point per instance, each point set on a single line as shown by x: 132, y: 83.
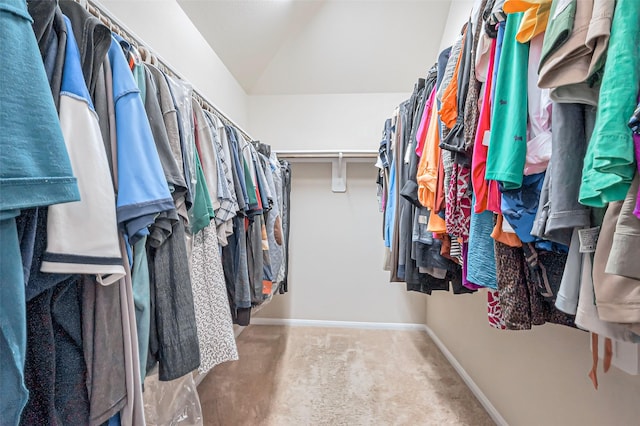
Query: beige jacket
x: 568, y: 69
x: 618, y: 296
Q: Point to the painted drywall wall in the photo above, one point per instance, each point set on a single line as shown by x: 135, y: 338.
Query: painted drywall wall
x: 338, y: 121
x: 167, y: 30
x: 352, y: 46
x: 536, y: 377
x: 336, y: 254
x: 312, y: 47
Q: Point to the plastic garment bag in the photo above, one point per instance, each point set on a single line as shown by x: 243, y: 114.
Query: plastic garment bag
x: 172, y: 403
x: 182, y: 93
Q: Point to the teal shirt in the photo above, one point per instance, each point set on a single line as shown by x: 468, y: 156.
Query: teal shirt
x: 202, y: 209
x: 140, y: 281
x: 609, y: 165
x: 34, y: 165
x: 13, y: 322
x: 34, y: 171
x: 139, y: 77
x: 508, y: 140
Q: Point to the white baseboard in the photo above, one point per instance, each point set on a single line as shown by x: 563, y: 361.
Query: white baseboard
x: 338, y: 324
x: 475, y: 389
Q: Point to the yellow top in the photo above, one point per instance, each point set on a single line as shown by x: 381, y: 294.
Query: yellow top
x: 534, y: 20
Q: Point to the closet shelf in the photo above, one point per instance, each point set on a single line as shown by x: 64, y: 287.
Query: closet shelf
x: 338, y: 159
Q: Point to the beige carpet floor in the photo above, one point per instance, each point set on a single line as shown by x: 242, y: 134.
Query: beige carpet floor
x: 290, y: 376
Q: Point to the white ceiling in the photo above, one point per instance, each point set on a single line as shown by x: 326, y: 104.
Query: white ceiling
x: 276, y: 47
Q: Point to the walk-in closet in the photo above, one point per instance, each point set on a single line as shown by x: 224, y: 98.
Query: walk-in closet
x: 319, y: 212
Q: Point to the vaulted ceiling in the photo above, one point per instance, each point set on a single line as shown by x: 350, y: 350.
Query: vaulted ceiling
x: 322, y: 46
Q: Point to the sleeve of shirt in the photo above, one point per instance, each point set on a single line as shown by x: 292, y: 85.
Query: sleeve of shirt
x: 32, y: 173
x: 142, y: 188
x: 82, y: 237
x: 626, y: 239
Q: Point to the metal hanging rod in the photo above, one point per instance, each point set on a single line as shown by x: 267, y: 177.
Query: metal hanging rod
x: 337, y: 158
x: 329, y: 154
x: 102, y: 13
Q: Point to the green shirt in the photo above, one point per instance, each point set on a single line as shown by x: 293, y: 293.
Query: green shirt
x: 559, y: 27
x: 609, y: 164
x: 508, y: 141
x: 251, y: 188
x: 202, y: 210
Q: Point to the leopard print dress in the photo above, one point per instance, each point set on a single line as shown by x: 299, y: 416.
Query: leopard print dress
x: 521, y: 303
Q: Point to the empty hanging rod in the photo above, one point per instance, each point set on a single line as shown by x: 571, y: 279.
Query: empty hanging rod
x: 312, y: 154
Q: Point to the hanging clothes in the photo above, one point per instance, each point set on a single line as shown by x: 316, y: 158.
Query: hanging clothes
x: 615, y: 278
x: 213, y: 318
x: 227, y: 197
x: 31, y: 177
x: 534, y: 19
x: 126, y: 168
x: 574, y: 50
x: 547, y: 68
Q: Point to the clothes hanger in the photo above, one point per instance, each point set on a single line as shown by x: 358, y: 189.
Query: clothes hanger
x: 145, y: 54
x: 201, y: 101
x: 148, y: 56
x: 104, y: 19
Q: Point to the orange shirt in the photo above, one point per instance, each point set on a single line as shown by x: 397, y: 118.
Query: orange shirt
x: 449, y: 108
x: 507, y: 238
x: 436, y: 224
x: 427, y: 174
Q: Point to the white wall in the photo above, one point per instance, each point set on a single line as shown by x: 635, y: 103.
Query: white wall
x: 536, y: 377
x: 353, y: 46
x: 336, y: 254
x: 340, y: 121
x: 167, y: 30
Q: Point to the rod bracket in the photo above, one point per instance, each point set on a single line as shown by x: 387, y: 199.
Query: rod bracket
x: 339, y: 174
